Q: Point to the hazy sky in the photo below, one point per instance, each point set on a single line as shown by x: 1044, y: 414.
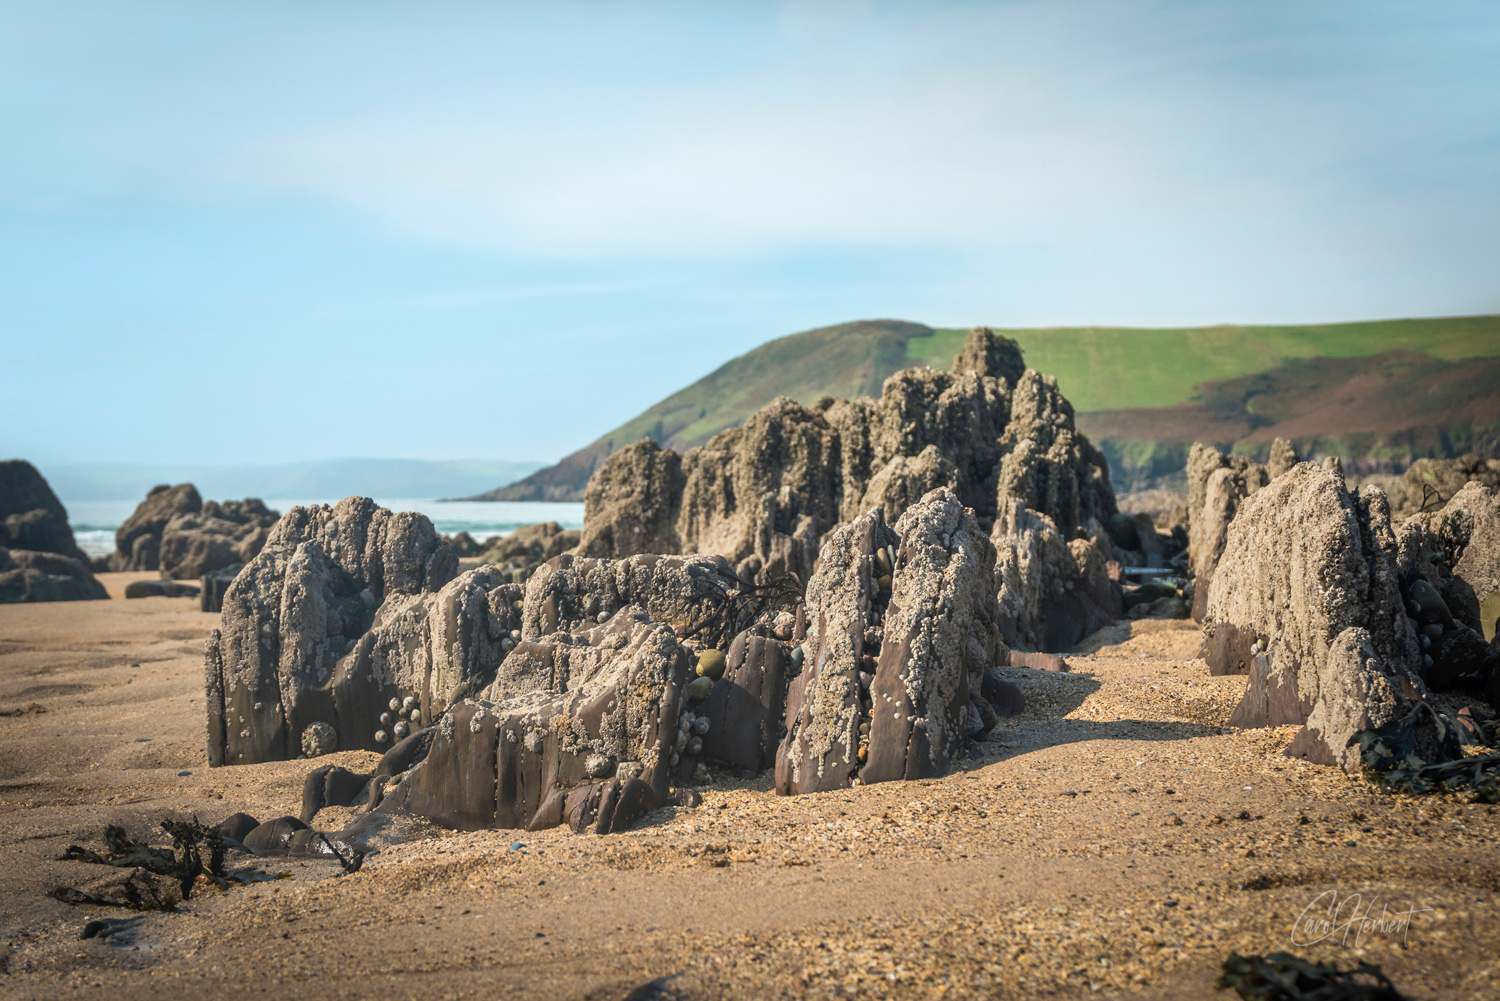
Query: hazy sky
x: 265, y: 233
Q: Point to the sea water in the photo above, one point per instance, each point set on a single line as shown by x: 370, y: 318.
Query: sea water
x: 94, y: 521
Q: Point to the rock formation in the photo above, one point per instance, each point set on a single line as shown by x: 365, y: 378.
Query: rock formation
x: 1428, y: 484
x: 829, y: 701
x: 26, y: 575
x: 1052, y: 591
x: 528, y: 547
x: 547, y: 746
x: 1457, y: 550
x: 31, y: 516
x: 219, y: 536
x: 339, y: 615
x: 138, y: 540
x: 764, y: 495
x: 39, y: 558
x: 1217, y: 485
x: 175, y: 531
x: 902, y: 626
x: 578, y: 703
x: 1306, y: 600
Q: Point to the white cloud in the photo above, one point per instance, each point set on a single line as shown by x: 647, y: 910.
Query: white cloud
x: 961, y: 158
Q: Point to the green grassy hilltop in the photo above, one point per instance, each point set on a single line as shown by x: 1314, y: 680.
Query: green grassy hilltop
x: 1142, y: 393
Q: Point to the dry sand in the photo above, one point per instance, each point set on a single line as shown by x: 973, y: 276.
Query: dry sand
x: 1115, y: 840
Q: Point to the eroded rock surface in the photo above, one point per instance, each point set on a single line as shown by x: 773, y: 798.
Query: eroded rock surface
x: 337, y: 616
x: 940, y: 634
x: 902, y: 626
x: 1457, y: 550
x: 1052, y: 592
x: 829, y: 700
x: 765, y: 494
x: 1307, y: 601
x: 546, y: 744
x: 1217, y: 486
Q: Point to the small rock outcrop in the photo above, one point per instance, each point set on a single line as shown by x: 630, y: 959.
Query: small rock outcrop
x: 27, y: 575
x: 1306, y: 600
x: 138, y: 540
x: 829, y: 700
x: 178, y: 533
x: 1428, y: 484
x: 160, y: 589
x: 32, y: 519
x: 319, y: 627
x: 218, y: 536
x: 939, y: 634
x: 632, y: 502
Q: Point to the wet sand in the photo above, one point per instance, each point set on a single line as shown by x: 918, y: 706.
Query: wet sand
x: 1115, y: 840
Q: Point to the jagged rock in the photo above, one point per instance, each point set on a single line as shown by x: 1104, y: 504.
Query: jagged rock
x: 1051, y: 592
x: 1217, y: 486
x: 321, y: 625
x: 632, y: 502
x: 765, y: 494
x: 160, y: 589
x: 32, y: 519
x: 1282, y: 458
x: 941, y: 632
x: 35, y: 576
x: 1304, y: 561
x: 522, y: 756
x: 1049, y: 466
x: 904, y: 481
x: 1357, y: 691
x: 986, y: 353
x: 1306, y: 600
x: 824, y: 703
x: 1457, y: 551
x: 162, y: 504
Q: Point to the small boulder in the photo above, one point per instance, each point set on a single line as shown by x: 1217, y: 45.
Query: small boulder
x: 160, y: 589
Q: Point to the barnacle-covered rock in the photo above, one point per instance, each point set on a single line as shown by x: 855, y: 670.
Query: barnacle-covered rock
x: 339, y: 613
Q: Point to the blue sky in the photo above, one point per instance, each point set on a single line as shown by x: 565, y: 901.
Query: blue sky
x: 272, y: 233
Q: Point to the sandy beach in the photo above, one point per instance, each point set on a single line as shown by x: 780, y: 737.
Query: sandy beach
x: 1116, y: 839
